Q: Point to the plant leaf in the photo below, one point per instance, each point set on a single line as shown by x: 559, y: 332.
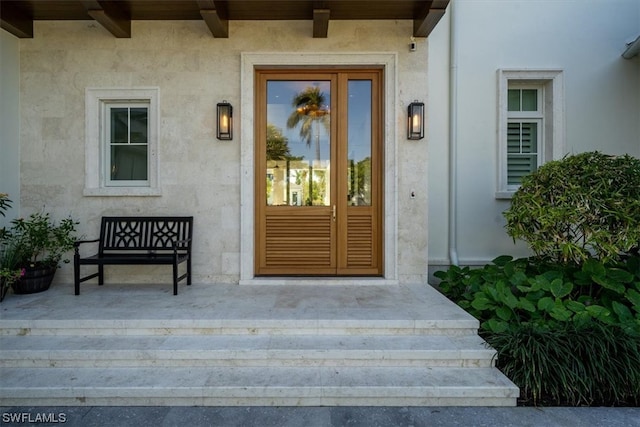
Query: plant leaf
x: 502, y: 260
x: 633, y: 296
x: 496, y: 326
x: 623, y: 312
x: 546, y: 304
x: 575, y: 306
x: 527, y: 305
x: 482, y: 303
x: 504, y: 313
x: 607, y: 283
x: 561, y: 289
x: 599, y: 312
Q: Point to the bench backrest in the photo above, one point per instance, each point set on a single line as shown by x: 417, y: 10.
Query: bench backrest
x: 144, y: 233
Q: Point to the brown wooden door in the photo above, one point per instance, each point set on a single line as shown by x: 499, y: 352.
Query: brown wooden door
x: 318, y: 172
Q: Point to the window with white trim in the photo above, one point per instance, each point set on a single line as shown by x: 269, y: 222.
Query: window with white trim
x: 126, y: 144
x: 122, y: 142
x: 524, y: 131
x: 530, y: 128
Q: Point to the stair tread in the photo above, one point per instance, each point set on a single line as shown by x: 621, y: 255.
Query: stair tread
x: 236, y: 325
x: 222, y: 343
x: 395, y: 381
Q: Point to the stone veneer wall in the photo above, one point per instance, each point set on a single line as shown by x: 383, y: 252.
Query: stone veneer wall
x: 199, y: 175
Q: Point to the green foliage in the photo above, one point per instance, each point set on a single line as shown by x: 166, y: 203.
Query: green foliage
x: 509, y: 292
x: 309, y: 107
x: 277, y: 144
x: 9, y: 271
x: 5, y: 203
x: 572, y: 364
x: 39, y: 240
x: 583, y: 206
x: 566, y: 323
x: 565, y: 334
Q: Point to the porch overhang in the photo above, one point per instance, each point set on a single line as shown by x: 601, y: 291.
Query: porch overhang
x: 17, y: 16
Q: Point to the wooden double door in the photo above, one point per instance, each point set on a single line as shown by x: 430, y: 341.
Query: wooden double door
x: 318, y: 142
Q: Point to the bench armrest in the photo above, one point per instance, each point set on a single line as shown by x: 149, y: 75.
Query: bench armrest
x: 178, y: 244
x: 77, y: 243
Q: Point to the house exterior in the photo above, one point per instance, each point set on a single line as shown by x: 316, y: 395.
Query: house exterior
x: 570, y: 52
x: 103, y: 119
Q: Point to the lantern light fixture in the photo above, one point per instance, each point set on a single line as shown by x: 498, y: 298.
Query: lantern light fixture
x: 225, y: 121
x: 415, y: 123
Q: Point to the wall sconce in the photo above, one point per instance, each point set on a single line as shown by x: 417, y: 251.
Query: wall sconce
x: 225, y: 121
x: 415, y: 124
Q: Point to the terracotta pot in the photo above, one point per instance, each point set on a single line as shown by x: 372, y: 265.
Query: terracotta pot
x: 35, y: 279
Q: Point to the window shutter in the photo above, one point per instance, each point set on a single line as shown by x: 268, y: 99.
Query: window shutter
x: 522, y: 150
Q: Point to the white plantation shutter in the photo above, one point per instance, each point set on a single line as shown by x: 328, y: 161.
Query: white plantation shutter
x: 524, y: 124
x: 530, y: 124
x: 522, y: 150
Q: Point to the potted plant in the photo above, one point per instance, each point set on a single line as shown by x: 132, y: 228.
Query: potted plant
x: 9, y: 272
x: 35, y: 246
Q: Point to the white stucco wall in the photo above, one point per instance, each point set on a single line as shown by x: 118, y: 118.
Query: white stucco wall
x: 9, y: 123
x: 199, y: 175
x: 584, y: 39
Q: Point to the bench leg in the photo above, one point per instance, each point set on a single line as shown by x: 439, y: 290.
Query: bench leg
x: 100, y: 275
x: 76, y: 275
x: 175, y: 277
x: 189, y: 271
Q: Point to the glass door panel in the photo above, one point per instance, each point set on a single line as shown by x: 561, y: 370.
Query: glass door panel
x: 298, y: 157
x: 359, y: 143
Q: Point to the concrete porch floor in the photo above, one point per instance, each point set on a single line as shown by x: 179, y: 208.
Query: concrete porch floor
x: 400, y: 304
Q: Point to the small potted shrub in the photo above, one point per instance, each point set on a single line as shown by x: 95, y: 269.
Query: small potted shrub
x: 34, y: 247
x: 9, y: 272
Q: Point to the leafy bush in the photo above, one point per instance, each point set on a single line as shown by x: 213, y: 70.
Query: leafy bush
x: 573, y: 364
x: 509, y: 292
x: 566, y: 323
x: 566, y: 335
x: 582, y: 206
x: 39, y: 240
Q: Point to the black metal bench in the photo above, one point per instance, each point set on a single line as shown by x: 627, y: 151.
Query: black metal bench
x: 130, y: 240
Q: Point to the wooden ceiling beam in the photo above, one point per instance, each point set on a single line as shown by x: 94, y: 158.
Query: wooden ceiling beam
x: 427, y: 20
x: 423, y: 26
x: 110, y: 16
x: 320, y: 23
x: 218, y: 26
x: 17, y: 23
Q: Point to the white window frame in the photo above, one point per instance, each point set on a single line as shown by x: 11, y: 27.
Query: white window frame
x: 108, y: 144
x: 551, y: 105
x: 97, y: 177
x: 520, y: 117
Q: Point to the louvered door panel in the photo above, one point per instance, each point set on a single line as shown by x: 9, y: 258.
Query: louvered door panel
x: 298, y: 243
x: 359, y: 241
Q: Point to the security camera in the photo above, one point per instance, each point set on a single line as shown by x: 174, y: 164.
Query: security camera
x: 413, y: 46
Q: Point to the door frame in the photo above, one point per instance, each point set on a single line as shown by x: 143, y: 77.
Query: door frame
x: 249, y: 61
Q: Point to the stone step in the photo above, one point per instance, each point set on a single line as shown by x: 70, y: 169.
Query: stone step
x: 231, y: 326
x: 244, y: 350
x: 245, y: 345
x: 272, y: 386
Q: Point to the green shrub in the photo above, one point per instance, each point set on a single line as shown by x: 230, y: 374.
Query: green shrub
x: 573, y: 364
x: 510, y: 291
x: 566, y: 335
x: 582, y: 206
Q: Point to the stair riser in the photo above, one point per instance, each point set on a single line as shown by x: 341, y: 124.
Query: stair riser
x: 455, y: 332
x: 126, y: 361
x: 260, y: 400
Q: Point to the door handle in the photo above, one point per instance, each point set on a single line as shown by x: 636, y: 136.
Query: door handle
x: 334, y: 212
